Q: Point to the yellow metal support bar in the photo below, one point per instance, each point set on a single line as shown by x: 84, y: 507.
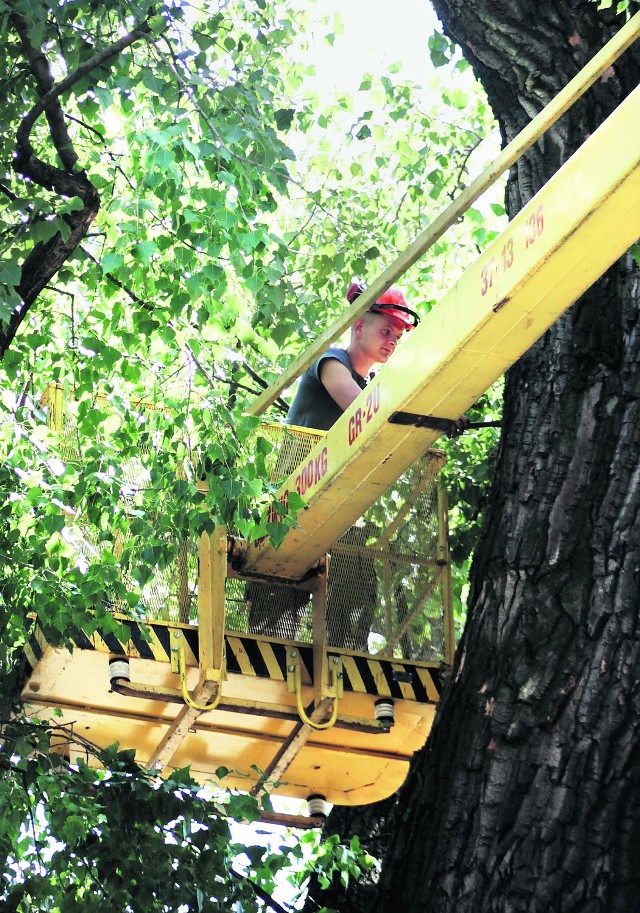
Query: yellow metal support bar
x: 327, y: 670
x: 290, y: 748
x: 212, y: 561
x: 510, y: 154
x: 179, y: 728
x: 212, y: 574
x: 586, y: 217
x: 54, y: 401
x: 319, y: 635
x: 445, y: 557
x: 182, y: 567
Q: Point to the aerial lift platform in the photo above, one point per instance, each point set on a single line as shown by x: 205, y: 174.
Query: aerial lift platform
x: 296, y: 709
x: 325, y: 688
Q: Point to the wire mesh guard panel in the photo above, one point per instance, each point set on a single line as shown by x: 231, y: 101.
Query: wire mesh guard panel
x: 386, y: 586
x: 270, y: 609
x: 170, y: 593
x: 386, y: 578
x: 386, y: 575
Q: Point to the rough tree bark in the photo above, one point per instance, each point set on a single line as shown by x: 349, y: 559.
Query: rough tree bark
x: 527, y: 796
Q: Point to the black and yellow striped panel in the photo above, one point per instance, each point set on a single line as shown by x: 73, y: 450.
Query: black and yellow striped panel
x: 258, y: 657
x: 142, y: 640
x: 401, y: 680
x: 264, y: 658
x: 34, y: 649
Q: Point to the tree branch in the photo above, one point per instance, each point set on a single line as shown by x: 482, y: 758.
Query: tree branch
x: 49, y: 101
x: 7, y: 192
x: 280, y: 403
x: 260, y: 892
x: 44, y: 261
x: 44, y: 80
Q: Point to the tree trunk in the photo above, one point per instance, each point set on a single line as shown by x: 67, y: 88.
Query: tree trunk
x: 527, y: 797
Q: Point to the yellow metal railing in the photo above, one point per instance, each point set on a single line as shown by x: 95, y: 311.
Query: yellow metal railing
x: 388, y: 576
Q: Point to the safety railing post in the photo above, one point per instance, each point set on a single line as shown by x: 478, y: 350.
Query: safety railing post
x: 319, y: 634
x: 212, y: 575
x: 444, y: 559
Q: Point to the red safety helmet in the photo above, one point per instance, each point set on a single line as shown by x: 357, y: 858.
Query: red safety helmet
x: 391, y: 302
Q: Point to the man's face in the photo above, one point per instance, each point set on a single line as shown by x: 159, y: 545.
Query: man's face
x: 378, y: 336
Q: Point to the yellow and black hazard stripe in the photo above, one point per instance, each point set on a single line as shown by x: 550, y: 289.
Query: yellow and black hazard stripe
x: 391, y: 678
x: 144, y: 640
x: 257, y: 656
x: 34, y: 649
x: 263, y: 657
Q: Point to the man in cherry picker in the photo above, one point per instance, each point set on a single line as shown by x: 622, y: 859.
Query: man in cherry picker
x: 332, y: 383
x: 326, y: 389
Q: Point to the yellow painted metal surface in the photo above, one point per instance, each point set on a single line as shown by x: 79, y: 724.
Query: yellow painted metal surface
x: 348, y: 767
x: 586, y: 217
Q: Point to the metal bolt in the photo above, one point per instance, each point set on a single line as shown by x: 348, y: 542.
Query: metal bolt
x: 291, y: 668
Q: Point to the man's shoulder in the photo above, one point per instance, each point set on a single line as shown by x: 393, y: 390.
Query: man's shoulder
x: 335, y: 352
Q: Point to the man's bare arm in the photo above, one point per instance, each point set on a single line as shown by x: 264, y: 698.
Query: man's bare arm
x: 338, y: 382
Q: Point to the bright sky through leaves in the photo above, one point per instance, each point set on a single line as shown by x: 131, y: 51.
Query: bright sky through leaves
x: 376, y: 36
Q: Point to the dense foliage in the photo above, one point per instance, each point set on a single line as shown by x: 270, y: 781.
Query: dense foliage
x: 180, y: 214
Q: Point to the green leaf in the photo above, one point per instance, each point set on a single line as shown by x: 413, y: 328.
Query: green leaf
x: 157, y: 24
x: 459, y: 98
x: 10, y: 273
x: 284, y: 118
x: 145, y: 250
x: 439, y: 50
x: 111, y: 261
x: 45, y: 229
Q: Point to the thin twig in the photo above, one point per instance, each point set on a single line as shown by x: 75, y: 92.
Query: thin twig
x: 260, y: 892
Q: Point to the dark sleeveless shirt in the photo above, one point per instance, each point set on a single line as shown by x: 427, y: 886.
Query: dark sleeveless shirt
x: 312, y: 406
